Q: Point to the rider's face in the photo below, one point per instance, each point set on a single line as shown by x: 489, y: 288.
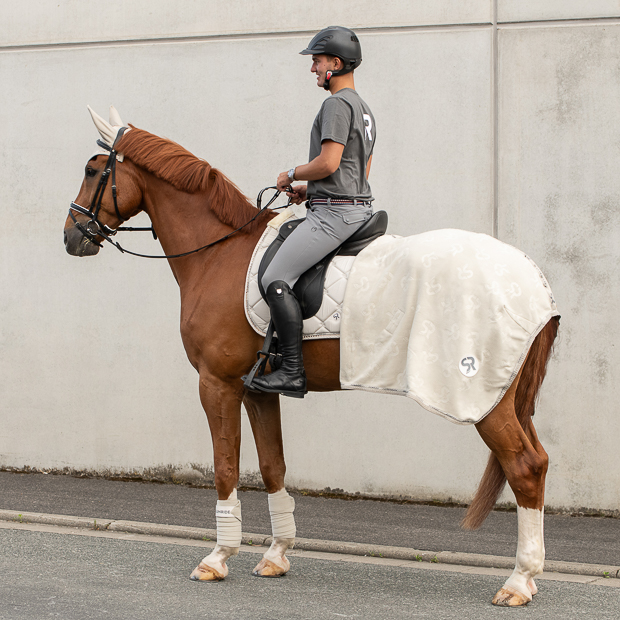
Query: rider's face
x: 321, y: 64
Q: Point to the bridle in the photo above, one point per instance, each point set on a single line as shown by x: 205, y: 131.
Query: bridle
x: 94, y: 228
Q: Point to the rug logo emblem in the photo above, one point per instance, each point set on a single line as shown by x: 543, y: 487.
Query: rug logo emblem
x: 469, y: 366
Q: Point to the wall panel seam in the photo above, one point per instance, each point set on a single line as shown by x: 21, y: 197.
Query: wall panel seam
x: 559, y: 23
x: 239, y: 36
x: 495, y: 122
x: 495, y: 23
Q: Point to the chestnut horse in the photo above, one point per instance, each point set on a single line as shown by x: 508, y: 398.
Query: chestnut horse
x: 192, y: 204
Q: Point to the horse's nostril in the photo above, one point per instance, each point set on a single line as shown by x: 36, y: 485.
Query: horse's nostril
x: 64, y: 234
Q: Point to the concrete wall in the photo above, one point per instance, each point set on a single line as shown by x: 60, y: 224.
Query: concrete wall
x: 497, y: 117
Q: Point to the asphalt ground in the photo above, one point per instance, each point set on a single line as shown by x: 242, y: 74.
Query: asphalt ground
x: 56, y: 572
x: 593, y: 540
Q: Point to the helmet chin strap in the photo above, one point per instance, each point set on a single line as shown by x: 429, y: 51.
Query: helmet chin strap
x: 328, y: 77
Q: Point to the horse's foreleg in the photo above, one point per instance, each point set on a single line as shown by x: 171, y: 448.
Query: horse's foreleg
x: 524, y: 462
x: 222, y: 404
x: 264, y: 415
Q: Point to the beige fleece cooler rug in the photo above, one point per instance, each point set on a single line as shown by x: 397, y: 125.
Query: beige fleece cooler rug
x: 445, y: 317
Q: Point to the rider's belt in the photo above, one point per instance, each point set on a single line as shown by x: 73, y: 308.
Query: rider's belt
x: 336, y: 201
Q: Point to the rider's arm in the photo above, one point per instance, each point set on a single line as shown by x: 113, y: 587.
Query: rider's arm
x: 322, y: 166
x: 368, y: 167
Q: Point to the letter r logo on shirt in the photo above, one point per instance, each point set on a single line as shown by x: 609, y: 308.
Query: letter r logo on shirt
x: 368, y: 123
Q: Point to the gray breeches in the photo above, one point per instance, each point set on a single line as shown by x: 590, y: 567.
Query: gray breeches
x: 324, y: 229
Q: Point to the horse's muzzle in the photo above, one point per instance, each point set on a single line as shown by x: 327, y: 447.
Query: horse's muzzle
x: 77, y: 244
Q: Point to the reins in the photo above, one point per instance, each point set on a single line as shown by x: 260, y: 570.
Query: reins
x: 94, y: 228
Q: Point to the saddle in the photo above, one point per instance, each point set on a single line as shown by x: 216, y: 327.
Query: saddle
x: 309, y: 288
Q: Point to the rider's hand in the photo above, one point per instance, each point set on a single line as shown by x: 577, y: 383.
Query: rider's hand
x: 298, y: 195
x: 284, y: 182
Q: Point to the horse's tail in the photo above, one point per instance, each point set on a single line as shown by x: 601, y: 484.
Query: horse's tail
x: 532, y: 375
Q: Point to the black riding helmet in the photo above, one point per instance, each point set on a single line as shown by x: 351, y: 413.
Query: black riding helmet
x: 337, y: 41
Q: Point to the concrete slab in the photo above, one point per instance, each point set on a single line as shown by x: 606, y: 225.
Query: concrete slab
x: 55, y: 519
x: 607, y: 582
x: 71, y: 22
x: 559, y: 202
x: 434, y: 151
x: 432, y: 169
x: 534, y: 10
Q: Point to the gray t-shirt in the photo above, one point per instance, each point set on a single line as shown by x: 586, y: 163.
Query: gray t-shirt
x: 344, y: 118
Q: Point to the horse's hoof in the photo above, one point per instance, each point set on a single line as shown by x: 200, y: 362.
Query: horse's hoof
x: 202, y: 572
x: 509, y: 597
x: 267, y: 568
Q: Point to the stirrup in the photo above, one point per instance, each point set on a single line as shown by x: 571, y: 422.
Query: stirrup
x: 267, y: 353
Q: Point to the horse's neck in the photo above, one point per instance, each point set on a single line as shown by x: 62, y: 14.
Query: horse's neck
x: 184, y: 222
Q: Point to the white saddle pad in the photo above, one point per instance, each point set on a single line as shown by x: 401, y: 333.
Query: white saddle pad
x: 446, y: 318
x: 326, y: 322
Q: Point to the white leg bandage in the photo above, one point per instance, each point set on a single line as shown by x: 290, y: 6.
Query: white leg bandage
x: 281, y: 507
x: 228, y: 517
x: 530, y: 550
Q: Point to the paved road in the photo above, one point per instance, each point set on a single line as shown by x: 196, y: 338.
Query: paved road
x: 574, y: 539
x: 101, y: 575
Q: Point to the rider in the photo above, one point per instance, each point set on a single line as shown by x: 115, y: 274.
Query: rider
x: 338, y: 194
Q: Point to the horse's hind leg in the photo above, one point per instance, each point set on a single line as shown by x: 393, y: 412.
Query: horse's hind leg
x: 264, y: 414
x: 533, y: 437
x: 524, y: 463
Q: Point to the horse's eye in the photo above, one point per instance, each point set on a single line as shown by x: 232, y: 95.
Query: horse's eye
x: 90, y: 172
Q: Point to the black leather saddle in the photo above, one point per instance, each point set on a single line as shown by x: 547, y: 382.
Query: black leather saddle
x: 309, y: 287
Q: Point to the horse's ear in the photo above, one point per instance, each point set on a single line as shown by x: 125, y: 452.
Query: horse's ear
x: 115, y: 118
x: 107, y: 132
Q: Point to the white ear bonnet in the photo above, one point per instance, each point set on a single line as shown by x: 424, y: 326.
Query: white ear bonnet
x: 108, y: 131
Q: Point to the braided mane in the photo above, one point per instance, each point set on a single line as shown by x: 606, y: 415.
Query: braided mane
x: 174, y: 164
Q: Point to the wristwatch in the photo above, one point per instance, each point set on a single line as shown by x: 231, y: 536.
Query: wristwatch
x: 291, y: 174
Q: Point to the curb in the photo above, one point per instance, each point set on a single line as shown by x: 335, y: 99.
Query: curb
x: 307, y: 544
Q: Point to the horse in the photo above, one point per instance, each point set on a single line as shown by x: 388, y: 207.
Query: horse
x: 193, y: 206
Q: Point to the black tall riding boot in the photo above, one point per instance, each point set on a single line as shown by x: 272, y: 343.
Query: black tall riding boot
x: 290, y: 378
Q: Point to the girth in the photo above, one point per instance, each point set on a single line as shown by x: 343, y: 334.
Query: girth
x: 309, y: 288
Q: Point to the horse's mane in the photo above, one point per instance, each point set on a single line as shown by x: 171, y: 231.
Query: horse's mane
x: 173, y: 164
